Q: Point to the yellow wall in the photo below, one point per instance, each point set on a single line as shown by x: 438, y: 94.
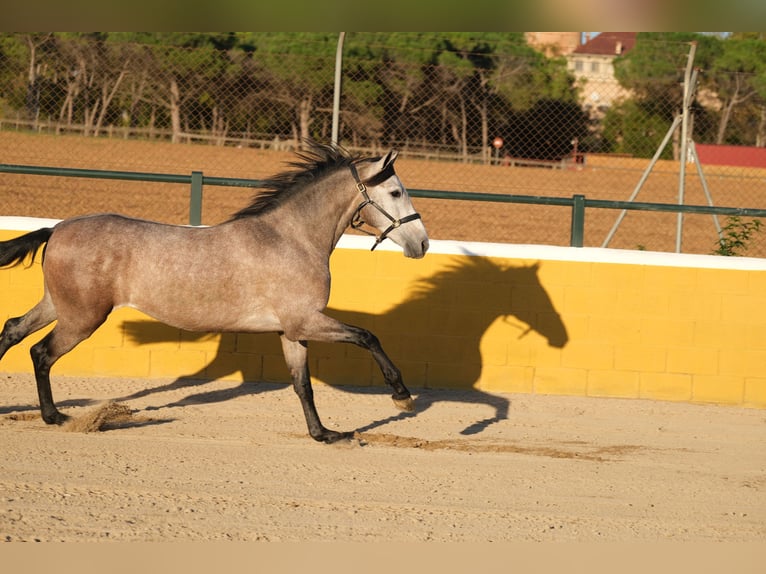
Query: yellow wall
x: 529, y: 323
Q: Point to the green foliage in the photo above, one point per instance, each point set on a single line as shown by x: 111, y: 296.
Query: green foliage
x: 731, y: 90
x: 457, y: 90
x: 740, y: 84
x: 742, y: 55
x: 736, y: 235
x: 636, y: 129
x: 654, y: 68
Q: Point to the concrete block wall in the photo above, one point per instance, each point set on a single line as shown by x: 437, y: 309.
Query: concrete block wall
x: 496, y: 318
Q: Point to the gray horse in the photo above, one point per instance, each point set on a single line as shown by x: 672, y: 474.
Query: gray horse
x: 264, y: 270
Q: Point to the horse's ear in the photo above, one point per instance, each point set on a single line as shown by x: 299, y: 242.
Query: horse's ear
x: 380, y: 168
x: 390, y: 158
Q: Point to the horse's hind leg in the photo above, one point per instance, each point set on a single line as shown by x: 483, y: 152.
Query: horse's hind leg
x: 18, y: 328
x: 296, y: 357
x: 62, y: 339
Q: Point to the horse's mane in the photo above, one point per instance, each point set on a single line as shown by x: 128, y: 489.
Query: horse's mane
x: 314, y: 162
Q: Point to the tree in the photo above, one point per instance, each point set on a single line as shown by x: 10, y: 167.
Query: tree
x: 653, y: 71
x: 457, y: 88
x: 25, y: 54
x: 399, y: 64
x: 179, y: 66
x: 298, y: 69
x: 738, y: 80
x: 91, y: 72
x: 631, y: 127
x: 473, y: 65
x: 361, y: 110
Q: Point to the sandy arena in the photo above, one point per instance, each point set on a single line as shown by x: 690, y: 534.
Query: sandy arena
x: 227, y: 461
x: 231, y: 461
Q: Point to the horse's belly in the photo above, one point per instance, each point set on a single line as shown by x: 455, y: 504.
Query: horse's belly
x: 211, y: 318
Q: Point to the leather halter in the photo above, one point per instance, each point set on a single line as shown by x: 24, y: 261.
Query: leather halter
x: 356, y: 220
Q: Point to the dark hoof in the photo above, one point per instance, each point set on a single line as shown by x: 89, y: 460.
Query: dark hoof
x: 329, y: 437
x: 56, y: 418
x: 407, y: 404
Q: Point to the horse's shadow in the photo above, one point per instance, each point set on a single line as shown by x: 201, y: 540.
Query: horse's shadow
x: 468, y: 296
x: 33, y: 408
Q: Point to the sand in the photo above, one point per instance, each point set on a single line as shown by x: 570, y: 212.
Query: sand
x: 165, y: 460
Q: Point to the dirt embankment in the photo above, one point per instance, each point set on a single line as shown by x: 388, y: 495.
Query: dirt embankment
x: 613, y: 179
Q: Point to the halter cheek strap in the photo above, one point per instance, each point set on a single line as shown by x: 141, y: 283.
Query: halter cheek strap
x: 356, y: 220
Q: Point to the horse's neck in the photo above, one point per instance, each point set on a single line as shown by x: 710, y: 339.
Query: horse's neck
x: 320, y: 214
x: 333, y: 203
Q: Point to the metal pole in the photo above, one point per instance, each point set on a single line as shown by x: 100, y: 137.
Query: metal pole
x: 645, y: 175
x: 696, y: 158
x: 195, y: 200
x: 336, y: 91
x: 577, y: 235
x: 684, y: 141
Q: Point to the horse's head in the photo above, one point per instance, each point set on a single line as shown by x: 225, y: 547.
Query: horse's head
x: 386, y: 206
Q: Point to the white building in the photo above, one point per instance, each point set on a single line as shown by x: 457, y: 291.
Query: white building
x: 591, y: 64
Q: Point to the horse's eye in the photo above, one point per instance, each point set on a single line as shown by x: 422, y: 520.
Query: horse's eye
x: 396, y: 193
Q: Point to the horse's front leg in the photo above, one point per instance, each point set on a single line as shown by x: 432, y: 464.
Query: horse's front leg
x: 391, y: 374
x: 326, y: 329
x: 296, y: 357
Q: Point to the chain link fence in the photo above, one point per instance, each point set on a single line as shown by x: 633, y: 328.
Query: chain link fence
x: 468, y: 112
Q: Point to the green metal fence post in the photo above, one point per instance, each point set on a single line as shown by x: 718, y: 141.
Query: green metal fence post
x: 195, y: 200
x: 578, y: 221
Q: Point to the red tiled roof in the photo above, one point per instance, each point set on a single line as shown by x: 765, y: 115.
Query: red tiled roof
x: 606, y: 44
x: 735, y: 155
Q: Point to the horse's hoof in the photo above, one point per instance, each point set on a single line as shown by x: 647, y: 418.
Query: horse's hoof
x: 56, y: 418
x: 407, y: 405
x: 330, y: 437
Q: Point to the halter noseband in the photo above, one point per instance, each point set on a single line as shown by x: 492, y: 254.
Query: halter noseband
x: 356, y: 220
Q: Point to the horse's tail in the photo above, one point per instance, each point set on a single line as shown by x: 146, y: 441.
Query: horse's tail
x: 15, y: 251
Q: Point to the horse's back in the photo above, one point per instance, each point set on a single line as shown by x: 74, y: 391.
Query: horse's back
x: 105, y: 243
x: 111, y: 260
x: 104, y: 224
x: 197, y: 278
